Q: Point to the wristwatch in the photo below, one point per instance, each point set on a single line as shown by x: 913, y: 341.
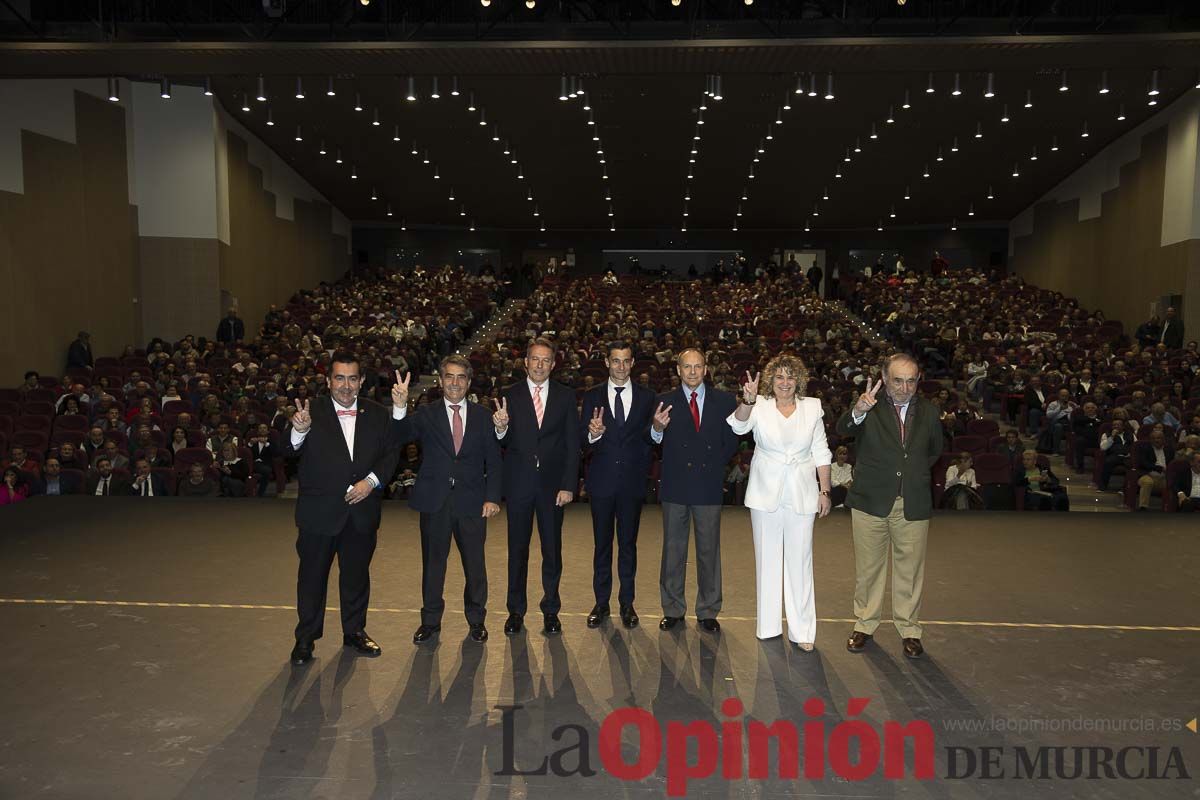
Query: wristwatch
x: 825, y: 492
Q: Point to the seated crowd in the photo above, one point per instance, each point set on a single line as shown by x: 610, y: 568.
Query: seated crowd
x: 203, y: 416
x: 1072, y: 382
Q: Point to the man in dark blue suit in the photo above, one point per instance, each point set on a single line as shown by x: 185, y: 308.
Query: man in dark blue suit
x: 537, y: 423
x: 457, y: 490
x: 617, y: 416
x: 697, y: 443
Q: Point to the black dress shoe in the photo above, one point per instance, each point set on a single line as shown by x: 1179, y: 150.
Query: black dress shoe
x: 362, y: 643
x: 913, y: 648
x: 857, y: 641
x: 478, y: 632
x: 710, y: 625
x: 667, y: 623
x: 552, y: 626
x: 599, y: 613
x: 629, y: 617
x: 302, y: 653
x: 425, y: 633
x: 513, y: 625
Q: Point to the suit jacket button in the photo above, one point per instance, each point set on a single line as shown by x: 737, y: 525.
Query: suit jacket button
x: 689, y: 463
x: 899, y: 474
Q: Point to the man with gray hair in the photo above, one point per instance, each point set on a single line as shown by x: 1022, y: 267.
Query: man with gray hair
x: 897, y: 442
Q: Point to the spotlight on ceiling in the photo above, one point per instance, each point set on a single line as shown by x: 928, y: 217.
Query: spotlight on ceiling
x: 164, y: 89
x: 114, y: 93
x: 208, y: 92
x: 262, y: 90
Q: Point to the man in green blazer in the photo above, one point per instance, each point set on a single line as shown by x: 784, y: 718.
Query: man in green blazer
x: 897, y: 442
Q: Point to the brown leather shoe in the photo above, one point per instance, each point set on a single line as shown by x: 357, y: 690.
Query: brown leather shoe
x: 913, y: 649
x: 858, y: 641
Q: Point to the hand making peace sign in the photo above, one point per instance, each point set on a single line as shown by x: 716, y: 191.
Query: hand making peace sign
x: 750, y: 388
x: 400, y: 390
x: 866, y: 401
x: 596, y: 423
x: 500, y: 418
x: 302, y: 419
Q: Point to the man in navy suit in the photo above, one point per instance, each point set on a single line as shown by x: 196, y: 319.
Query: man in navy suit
x: 457, y: 490
x: 696, y: 445
x: 537, y: 423
x: 617, y: 415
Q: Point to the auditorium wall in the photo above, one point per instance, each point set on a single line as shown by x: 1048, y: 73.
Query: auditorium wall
x: 1123, y: 231
x: 143, y: 218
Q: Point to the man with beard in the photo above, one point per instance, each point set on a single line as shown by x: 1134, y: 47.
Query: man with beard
x: 347, y: 448
x: 897, y: 442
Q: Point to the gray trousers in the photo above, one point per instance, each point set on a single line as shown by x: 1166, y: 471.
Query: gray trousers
x: 677, y: 524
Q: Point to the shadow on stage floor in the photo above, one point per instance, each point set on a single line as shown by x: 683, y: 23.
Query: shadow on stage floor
x: 147, y: 648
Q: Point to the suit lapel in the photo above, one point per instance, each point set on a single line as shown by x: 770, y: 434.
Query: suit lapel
x: 441, y: 424
x: 332, y: 417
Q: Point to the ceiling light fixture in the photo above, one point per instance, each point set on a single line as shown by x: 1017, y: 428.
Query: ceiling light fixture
x: 1053, y: 144
x: 337, y: 158
x: 829, y: 86
x: 812, y: 84
x: 415, y: 151
x: 1084, y: 134
x: 587, y: 104
x: 299, y: 88
x: 245, y: 102
x: 1121, y: 113
x: 954, y: 225
x: 929, y: 89
x: 114, y: 93
x: 411, y: 96
x: 1004, y: 116
x: 991, y: 194
x: 208, y: 92
x: 971, y: 210
x: 1033, y: 155
x: 164, y: 88
x: 893, y: 214
x: 990, y: 90
x: 925, y: 174
x: 956, y: 91
x: 1104, y: 82
x: 954, y: 145
x: 454, y: 86
x: 270, y: 116
x: 396, y: 133
x: 322, y: 151
x: 562, y: 88
x: 435, y: 94
x: 373, y: 195
x: 375, y: 119
x: 329, y: 90
x: 425, y: 157
x: 482, y: 118
x: 825, y: 194
x: 978, y: 130
x: 358, y: 106
x: 262, y: 90
x: 799, y: 85
x: 1016, y: 173
x: 353, y: 173
x: 1153, y: 91
x: 1063, y: 87
x: 939, y: 155
x: 717, y: 93
x: 470, y: 101
x: 299, y: 135
x: 907, y: 104
x: 1029, y: 98
x: 907, y: 194
x: 891, y: 117
x: 874, y: 134
x: 858, y: 145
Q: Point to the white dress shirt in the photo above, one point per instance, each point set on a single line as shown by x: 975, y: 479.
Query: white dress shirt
x: 347, y: 425
x: 545, y: 396
x: 626, y: 398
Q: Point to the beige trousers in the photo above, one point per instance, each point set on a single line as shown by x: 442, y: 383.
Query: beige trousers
x: 873, y: 538
x: 1150, y: 483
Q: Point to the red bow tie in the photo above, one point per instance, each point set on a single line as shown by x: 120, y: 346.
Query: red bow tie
x: 346, y: 413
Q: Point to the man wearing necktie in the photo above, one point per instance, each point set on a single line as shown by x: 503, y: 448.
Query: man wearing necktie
x: 457, y: 490
x: 616, y: 416
x: 146, y: 483
x: 896, y: 444
x: 104, y: 482
x: 697, y: 444
x: 347, y: 448
x: 537, y: 423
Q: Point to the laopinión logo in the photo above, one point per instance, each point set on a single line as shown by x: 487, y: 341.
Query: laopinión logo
x: 852, y: 750
x: 738, y: 749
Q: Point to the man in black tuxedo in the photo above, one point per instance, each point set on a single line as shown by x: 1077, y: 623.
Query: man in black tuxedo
x: 103, y: 482
x: 695, y: 449
x: 617, y: 415
x: 145, y: 482
x: 537, y: 422
x: 458, y: 488
x: 347, y: 449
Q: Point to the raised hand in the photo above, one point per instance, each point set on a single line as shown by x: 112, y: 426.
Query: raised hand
x: 400, y: 390
x: 866, y: 401
x: 302, y: 419
x: 500, y: 418
x: 662, y: 417
x: 596, y: 424
x: 750, y: 388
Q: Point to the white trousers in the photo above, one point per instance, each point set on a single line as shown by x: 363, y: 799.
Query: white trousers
x: 784, y: 573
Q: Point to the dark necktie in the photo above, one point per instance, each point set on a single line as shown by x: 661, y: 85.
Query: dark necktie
x: 619, y: 406
x: 695, y: 412
x: 104, y: 491
x: 456, y: 429
x: 146, y: 488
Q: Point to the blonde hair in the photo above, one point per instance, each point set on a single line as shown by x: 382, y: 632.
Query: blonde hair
x: 783, y: 361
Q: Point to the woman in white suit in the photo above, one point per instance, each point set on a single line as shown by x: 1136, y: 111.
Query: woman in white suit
x: 787, y: 490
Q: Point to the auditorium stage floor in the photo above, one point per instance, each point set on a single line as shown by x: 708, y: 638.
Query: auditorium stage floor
x: 146, y: 657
